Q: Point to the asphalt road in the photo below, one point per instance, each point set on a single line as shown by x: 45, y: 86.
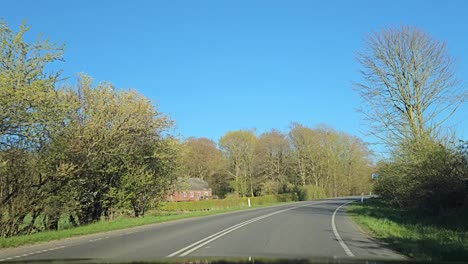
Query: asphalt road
x: 303, y: 229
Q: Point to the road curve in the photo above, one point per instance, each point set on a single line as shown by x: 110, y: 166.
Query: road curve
x: 303, y: 229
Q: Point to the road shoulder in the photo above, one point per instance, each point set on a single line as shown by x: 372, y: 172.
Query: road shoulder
x: 360, y: 242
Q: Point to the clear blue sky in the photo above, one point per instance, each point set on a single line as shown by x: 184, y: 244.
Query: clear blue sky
x: 216, y: 66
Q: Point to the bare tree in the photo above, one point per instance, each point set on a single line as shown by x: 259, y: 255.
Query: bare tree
x: 408, y: 86
x: 270, y: 160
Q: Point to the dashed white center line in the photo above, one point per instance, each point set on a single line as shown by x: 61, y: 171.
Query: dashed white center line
x: 203, y: 242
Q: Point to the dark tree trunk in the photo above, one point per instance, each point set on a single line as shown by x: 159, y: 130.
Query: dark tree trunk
x: 52, y: 221
x: 72, y: 220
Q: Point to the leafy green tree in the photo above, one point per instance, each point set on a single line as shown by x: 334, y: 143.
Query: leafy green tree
x: 112, y: 135
x: 29, y: 102
x: 147, y: 182
x: 239, y: 148
x: 30, y: 113
x: 201, y: 158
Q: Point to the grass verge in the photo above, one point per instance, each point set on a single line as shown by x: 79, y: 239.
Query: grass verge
x: 118, y: 223
x: 416, y: 236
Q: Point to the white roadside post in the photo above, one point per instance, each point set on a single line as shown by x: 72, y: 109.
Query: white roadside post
x: 248, y: 201
x: 362, y: 197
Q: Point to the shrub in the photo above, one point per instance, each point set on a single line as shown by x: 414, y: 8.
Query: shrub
x: 225, y: 203
x: 307, y: 193
x: 314, y: 192
x: 232, y: 196
x: 300, y: 193
x: 270, y: 187
x: 428, y: 177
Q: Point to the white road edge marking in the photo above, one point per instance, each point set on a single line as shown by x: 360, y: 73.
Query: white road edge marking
x: 31, y: 253
x: 192, y: 247
x: 337, y: 235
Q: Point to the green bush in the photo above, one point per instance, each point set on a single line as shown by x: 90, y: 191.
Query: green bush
x: 231, y: 202
x: 271, y: 187
x: 428, y: 177
x: 231, y: 196
x: 314, y: 192
x: 307, y: 193
x: 300, y: 193
x: 270, y: 199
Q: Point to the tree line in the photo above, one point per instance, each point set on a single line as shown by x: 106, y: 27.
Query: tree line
x: 274, y: 162
x: 87, y: 151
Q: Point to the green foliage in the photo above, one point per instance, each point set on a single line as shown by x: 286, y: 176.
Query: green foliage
x: 114, y: 139
x: 239, y: 148
x: 427, y: 176
x: 220, y: 186
x: 271, y: 162
x: 231, y: 202
x: 270, y: 187
x: 433, y: 237
x: 84, y: 152
x: 31, y: 112
x: 407, y: 99
x: 335, y: 161
x: 28, y: 102
x: 200, y: 158
x: 314, y: 192
x: 299, y: 193
x: 308, y: 193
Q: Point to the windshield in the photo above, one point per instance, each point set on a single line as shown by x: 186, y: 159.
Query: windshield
x: 233, y: 130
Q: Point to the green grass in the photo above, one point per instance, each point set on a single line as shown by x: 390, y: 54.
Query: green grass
x: 413, y: 234
x: 119, y: 223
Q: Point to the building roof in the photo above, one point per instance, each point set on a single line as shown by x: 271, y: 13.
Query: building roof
x: 193, y: 184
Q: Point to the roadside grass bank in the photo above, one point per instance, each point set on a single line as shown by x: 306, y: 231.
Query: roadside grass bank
x: 218, y: 204
x: 168, y: 212
x: 414, y: 235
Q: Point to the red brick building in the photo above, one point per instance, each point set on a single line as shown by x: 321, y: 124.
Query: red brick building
x: 191, y: 189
